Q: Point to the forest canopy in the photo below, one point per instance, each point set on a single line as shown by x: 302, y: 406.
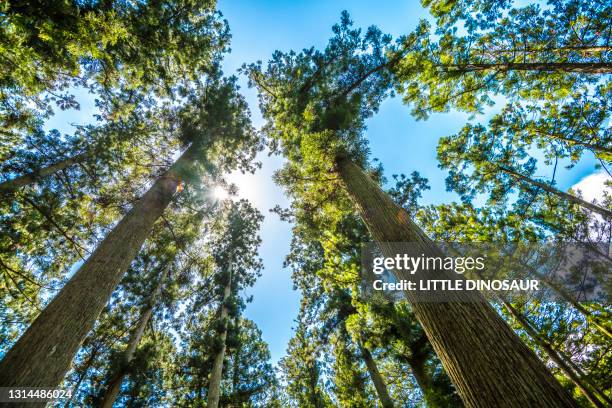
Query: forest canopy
x: 129, y: 258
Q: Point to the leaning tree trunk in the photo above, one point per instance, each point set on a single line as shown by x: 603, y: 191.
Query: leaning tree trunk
x: 114, y: 383
x: 596, y: 321
x: 42, y: 355
x: 484, y: 358
x: 549, y: 189
x: 560, y: 360
x: 85, y: 368
x: 214, y: 385
x: 379, y: 382
x: 588, y: 315
x: 9, y: 186
x: 578, y: 67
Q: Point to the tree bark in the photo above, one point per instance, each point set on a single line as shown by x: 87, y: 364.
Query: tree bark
x: 582, y: 68
x: 10, y: 186
x: 484, y: 358
x: 379, y: 383
x: 214, y: 385
x: 114, y: 383
x: 549, y: 189
x: 42, y: 355
x: 561, y: 361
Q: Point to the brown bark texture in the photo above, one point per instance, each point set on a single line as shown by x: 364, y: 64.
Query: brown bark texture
x: 487, y: 362
x: 379, y: 382
x: 42, y: 355
x: 214, y: 385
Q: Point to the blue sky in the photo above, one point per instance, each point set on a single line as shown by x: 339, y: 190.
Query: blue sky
x: 401, y: 143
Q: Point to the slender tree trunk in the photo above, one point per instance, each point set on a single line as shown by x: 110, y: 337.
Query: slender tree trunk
x: 560, y: 360
x: 595, y: 148
x: 10, y: 186
x: 484, y: 358
x: 595, y: 320
x: 114, y: 383
x: 422, y: 379
x: 379, y: 383
x: 42, y: 355
x: 560, y: 290
x: 236, y: 374
x: 214, y: 385
x: 585, y: 49
x: 582, y: 68
x: 549, y: 189
x: 86, y: 366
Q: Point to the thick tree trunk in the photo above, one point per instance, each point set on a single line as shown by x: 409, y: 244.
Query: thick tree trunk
x: 214, y: 385
x: 379, y: 383
x: 484, y: 358
x: 42, y: 355
x: 561, y: 361
x: 10, y: 186
x: 114, y: 383
x: 582, y: 68
x: 549, y: 189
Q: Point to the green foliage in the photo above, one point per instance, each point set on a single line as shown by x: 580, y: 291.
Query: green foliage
x: 49, y: 47
x: 524, y: 54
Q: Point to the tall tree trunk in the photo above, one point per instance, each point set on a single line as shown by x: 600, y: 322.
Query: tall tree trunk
x: 9, y: 186
x: 582, y: 68
x: 42, y: 355
x: 596, y: 321
x: 114, y: 383
x: 379, y: 382
x: 565, y: 365
x: 214, y: 385
x: 236, y: 374
x: 484, y: 358
x: 566, y: 196
x: 585, y: 49
x: 595, y: 148
x: 86, y: 366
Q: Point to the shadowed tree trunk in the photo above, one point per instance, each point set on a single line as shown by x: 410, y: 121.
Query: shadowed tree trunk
x: 565, y: 365
x: 10, y: 186
x: 566, y: 196
x: 114, y: 383
x: 484, y: 358
x: 42, y: 355
x: 214, y: 385
x: 379, y: 382
x: 582, y: 68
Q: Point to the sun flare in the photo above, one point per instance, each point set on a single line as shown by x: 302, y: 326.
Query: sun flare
x: 220, y: 193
